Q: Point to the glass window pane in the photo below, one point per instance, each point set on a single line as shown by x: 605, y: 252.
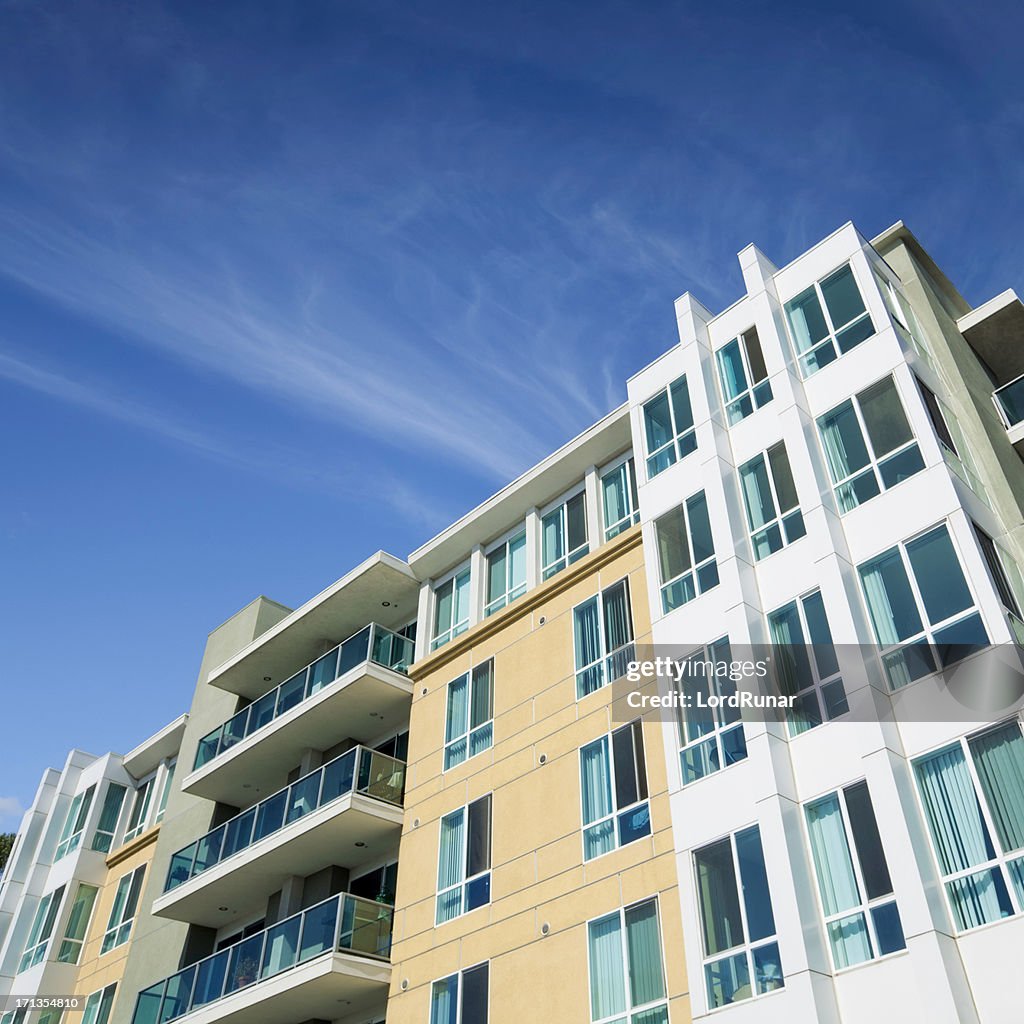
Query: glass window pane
x: 757, y: 899
x: 673, y: 550
x: 700, y: 528
x: 785, y: 488
x: 458, y: 708
x: 758, y: 370
x: 681, y: 405
x: 576, y: 521
x: 474, y: 995
x: 618, y: 622
x: 843, y: 441
x: 884, y: 417
x: 999, y: 759
x: 890, y: 599
x: 806, y: 320
x: 657, y: 423
x: 867, y: 841
x: 850, y: 941
x: 757, y: 494
x: 938, y: 574
x: 626, y: 791
x: 444, y: 1001
x: 831, y: 852
x: 479, y: 850
x: 842, y: 297
x: 497, y: 574
x: 719, y: 899
x: 888, y: 928
x: 643, y: 944
x: 607, y: 977
x: 731, y: 371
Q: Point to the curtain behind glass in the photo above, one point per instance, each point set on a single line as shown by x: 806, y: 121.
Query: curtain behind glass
x: 938, y: 574
x: 453, y: 842
x: 890, y: 599
x: 643, y: 944
x: 607, y: 981
x: 673, y: 550
x: 757, y: 495
x: 595, y: 780
x: 833, y: 864
x: 844, y: 443
x: 999, y: 760
x: 618, y: 624
x: 443, y: 999
x: 730, y: 368
x: 458, y: 708
x: 587, y: 633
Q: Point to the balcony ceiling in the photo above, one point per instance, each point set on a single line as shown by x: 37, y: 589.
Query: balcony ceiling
x: 995, y: 330
x: 330, y: 617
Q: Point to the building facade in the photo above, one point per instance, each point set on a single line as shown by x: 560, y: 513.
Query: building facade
x: 421, y: 796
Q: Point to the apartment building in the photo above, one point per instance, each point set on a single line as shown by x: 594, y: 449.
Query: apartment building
x: 420, y: 796
x: 70, y: 892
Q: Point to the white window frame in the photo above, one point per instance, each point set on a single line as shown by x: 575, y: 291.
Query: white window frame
x: 928, y: 631
x: 466, y: 879
x: 94, y: 1005
x: 455, y: 628
x: 42, y: 929
x: 873, y: 459
x: 783, y: 519
x: 75, y: 822
x: 118, y: 922
x: 616, y: 811
x: 833, y: 330
x: 606, y: 656
x: 112, y: 833
x: 484, y: 729
x: 510, y: 593
x: 696, y: 568
x: 143, y: 802
x: 753, y: 387
x: 900, y: 311
x: 1001, y: 861
x: 865, y: 906
x: 746, y: 947
x: 720, y: 728
x: 78, y: 944
x: 673, y: 446
x: 632, y: 483
x: 561, y: 507
x: 460, y: 974
x: 956, y: 453
x: 631, y: 1011
x: 1009, y: 576
x: 820, y: 682
x: 165, y: 789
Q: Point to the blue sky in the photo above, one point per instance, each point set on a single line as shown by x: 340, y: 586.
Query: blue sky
x: 283, y: 284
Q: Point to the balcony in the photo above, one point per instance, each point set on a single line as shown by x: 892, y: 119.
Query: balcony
x: 1009, y: 401
x: 302, y: 968
x: 357, y: 690
x: 344, y: 813
x: 995, y: 330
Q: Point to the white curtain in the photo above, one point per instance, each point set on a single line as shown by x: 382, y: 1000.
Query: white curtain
x: 596, y: 785
x: 607, y: 980
x: 451, y: 866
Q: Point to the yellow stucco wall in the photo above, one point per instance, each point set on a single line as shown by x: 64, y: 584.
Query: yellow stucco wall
x: 538, y: 873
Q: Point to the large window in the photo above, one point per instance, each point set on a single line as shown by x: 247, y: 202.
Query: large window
x: 139, y: 817
x: 973, y: 797
x: 451, y: 609
x: 41, y: 932
x: 464, y: 860
x: 122, y: 913
x: 869, y: 444
x: 686, y: 552
x: 619, y: 498
x: 741, y: 954
x: 165, y: 791
x: 506, y: 573
x: 806, y: 662
x: 103, y: 837
x: 710, y: 738
x: 627, y: 974
x: 97, y: 1006
x: 744, y: 377
x: 602, y: 633
x: 861, y: 916
x: 769, y: 494
x: 564, y: 535
x: 921, y: 608
x: 613, y: 783
x: 469, y: 725
x: 998, y: 563
x: 955, y: 449
x: 460, y: 998
x: 668, y: 427
x: 78, y: 922
x: 74, y: 823
x: 827, y: 320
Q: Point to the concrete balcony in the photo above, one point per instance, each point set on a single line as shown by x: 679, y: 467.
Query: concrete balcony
x: 1009, y: 400
x: 995, y: 330
x: 345, y: 813
x: 329, y: 962
x: 358, y: 689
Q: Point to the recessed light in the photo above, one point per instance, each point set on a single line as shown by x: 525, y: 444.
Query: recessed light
x: 360, y: 844
x: 266, y: 679
x: 385, y: 604
x: 222, y: 909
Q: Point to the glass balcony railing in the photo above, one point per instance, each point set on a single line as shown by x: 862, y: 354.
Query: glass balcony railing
x: 343, y: 923
x: 358, y: 770
x: 1009, y: 401
x: 372, y: 643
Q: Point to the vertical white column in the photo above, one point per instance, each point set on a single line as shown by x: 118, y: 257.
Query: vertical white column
x: 477, y: 584
x: 426, y: 622
x: 532, y: 548
x: 595, y: 528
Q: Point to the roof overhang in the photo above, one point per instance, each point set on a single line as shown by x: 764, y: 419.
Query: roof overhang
x: 162, y: 745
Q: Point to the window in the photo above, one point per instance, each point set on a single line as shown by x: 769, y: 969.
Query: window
x: 506, y: 573
x: 805, y: 659
x: 686, y: 552
x: 42, y: 929
x: 469, y: 728
x: 103, y: 837
x: 613, y: 782
x: 165, y: 792
x: 955, y: 449
x: 137, y: 820
x: 668, y: 427
x: 379, y: 884
x: 460, y: 998
x: 737, y: 920
x: 744, y: 377
x: 769, y: 493
x: 451, y: 609
x: 564, y: 535
x: 869, y: 445
x: 74, y: 823
x: 903, y: 316
x: 921, y: 608
x: 78, y: 922
x: 627, y: 974
x: 973, y: 797
x: 827, y: 320
x: 97, y: 1006
x: 602, y: 631
x: 997, y: 570
x: 619, y: 497
x: 122, y: 913
x: 464, y: 861
x: 710, y: 738
x: 861, y: 916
